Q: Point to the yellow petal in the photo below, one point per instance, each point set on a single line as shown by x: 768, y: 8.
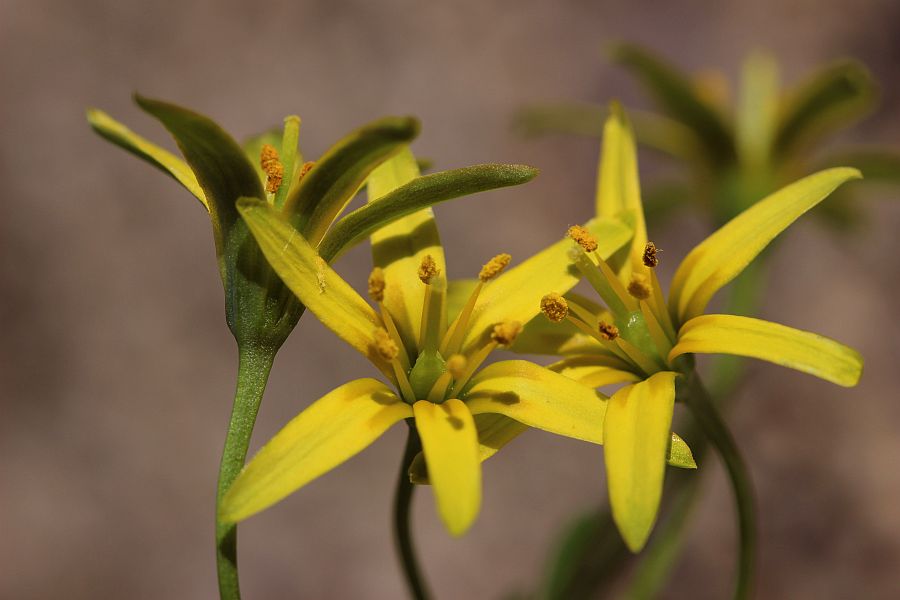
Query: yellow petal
x: 793, y: 348
x: 334, y: 428
x: 516, y: 294
x: 494, y: 432
x: 317, y: 285
x: 538, y: 397
x: 594, y: 370
x: 450, y: 445
x: 618, y: 187
x: 400, y: 247
x: 159, y: 157
x: 637, y: 433
x: 724, y: 254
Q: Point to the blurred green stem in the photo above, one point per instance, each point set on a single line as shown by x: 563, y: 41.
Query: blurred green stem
x: 402, y: 527
x: 254, y: 364
x: 716, y: 431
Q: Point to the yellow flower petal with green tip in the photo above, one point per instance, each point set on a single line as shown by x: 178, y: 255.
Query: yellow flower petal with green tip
x: 334, y: 428
x: 636, y: 442
x: 793, y: 348
x: 618, y: 187
x: 494, y: 432
x: 680, y: 454
x: 516, y: 294
x: 595, y: 370
x: 450, y: 445
x: 400, y: 247
x: 723, y: 255
x: 538, y: 397
x: 161, y: 158
x: 317, y: 285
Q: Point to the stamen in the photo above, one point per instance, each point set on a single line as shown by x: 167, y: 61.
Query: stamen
x: 376, y: 285
x: 650, y: 257
x: 434, y: 314
x: 289, y: 137
x: 305, y: 168
x: 439, y: 389
x: 554, y: 307
x: 637, y: 357
x: 456, y: 365
x: 387, y: 349
x: 385, y: 346
x: 505, y: 333
x: 657, y: 334
x: 608, y: 330
x: 494, y: 267
x: 639, y: 288
x: 583, y: 237
x: 428, y: 269
x: 271, y: 165
x: 606, y: 283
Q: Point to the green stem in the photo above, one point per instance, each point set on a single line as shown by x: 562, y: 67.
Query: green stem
x: 254, y: 364
x: 402, y: 530
x: 716, y: 431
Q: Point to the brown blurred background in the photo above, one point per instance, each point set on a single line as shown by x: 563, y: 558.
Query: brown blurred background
x: 117, y: 367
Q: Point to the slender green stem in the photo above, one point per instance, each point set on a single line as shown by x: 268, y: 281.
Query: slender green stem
x: 402, y: 529
x: 707, y: 416
x: 254, y: 364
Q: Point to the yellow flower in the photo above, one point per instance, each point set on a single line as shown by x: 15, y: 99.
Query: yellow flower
x: 641, y: 338
x: 431, y: 356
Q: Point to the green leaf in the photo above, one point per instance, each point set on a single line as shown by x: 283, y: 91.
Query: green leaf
x: 830, y: 99
x: 757, y: 109
x: 878, y: 165
x: 162, y: 159
x: 573, y: 119
x: 678, y: 99
x: 326, y: 189
x: 419, y: 193
x: 217, y: 160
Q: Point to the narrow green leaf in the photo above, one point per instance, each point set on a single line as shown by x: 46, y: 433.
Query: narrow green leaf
x: 327, y: 188
x: 878, y: 165
x: 219, y: 163
x: 757, y: 109
x: 830, y: 99
x: 573, y: 119
x: 419, y: 193
x: 162, y: 159
x: 678, y: 99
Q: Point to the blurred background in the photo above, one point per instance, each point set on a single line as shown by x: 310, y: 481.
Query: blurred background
x: 117, y: 368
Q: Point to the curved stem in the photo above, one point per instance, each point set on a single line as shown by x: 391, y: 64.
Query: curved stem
x: 254, y: 364
x: 402, y: 530
x: 712, y: 425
